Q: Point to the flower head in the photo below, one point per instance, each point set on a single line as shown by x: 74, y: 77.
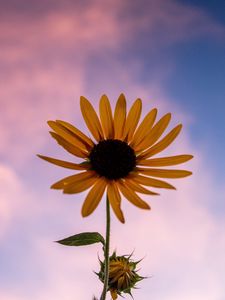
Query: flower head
x: 118, y: 159
x: 123, y: 275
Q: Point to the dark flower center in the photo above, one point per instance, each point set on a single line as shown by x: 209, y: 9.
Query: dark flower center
x: 112, y: 159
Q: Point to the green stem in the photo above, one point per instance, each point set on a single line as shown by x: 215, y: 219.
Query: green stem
x: 106, y: 271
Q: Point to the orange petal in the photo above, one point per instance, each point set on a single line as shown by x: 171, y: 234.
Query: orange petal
x: 119, y: 117
x: 69, y: 147
x: 106, y: 117
x: 113, y: 294
x: 61, y: 184
x: 94, y: 197
x: 79, y: 134
x: 155, y: 133
x: 152, y: 182
x: 79, y: 186
x: 115, y: 200
x: 164, y: 173
x: 64, y: 164
x: 91, y: 119
x: 165, y: 161
x: 137, y: 187
x: 144, y: 128
x: 67, y: 135
x: 131, y: 196
x: 163, y: 144
x: 132, y: 120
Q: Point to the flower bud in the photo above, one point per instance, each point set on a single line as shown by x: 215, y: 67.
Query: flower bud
x: 123, y: 275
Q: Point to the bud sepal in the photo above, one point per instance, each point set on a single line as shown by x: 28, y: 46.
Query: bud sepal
x: 123, y: 275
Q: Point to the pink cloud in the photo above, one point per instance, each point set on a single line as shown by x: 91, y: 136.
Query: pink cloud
x: 180, y: 239
x: 46, y: 62
x: 11, y: 186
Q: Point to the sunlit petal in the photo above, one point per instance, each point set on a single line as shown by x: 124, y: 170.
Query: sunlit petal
x: 152, y: 182
x: 68, y: 146
x: 115, y: 200
x: 65, y: 164
x: 73, y: 179
x: 106, y: 117
x: 94, y: 197
x: 79, y: 134
x: 155, y: 133
x: 137, y: 187
x: 79, y: 186
x: 164, y: 173
x: 67, y: 135
x: 132, y: 120
x: 131, y: 195
x: 119, y: 117
x: 91, y: 119
x: 164, y: 143
x: 165, y: 161
x: 144, y: 128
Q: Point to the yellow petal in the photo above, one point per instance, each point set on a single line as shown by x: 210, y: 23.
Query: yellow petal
x: 64, y: 164
x: 72, y: 179
x: 91, y: 119
x: 132, y: 120
x: 155, y: 133
x: 79, y: 186
x: 144, y: 128
x: 137, y: 187
x: 106, y: 117
x: 94, y: 197
x: 164, y: 173
x: 152, y: 182
x: 69, y: 147
x: 131, y: 196
x: 164, y: 143
x: 113, y: 294
x: 67, y: 135
x: 119, y: 117
x: 165, y: 161
x: 79, y: 134
x: 115, y: 200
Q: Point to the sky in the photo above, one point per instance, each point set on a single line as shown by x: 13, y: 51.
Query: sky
x: 171, y: 55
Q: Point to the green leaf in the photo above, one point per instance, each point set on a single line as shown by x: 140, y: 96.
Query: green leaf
x: 82, y: 239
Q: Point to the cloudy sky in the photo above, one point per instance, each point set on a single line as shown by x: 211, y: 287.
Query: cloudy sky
x: 171, y: 55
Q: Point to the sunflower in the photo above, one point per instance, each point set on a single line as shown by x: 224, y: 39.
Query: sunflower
x: 118, y: 159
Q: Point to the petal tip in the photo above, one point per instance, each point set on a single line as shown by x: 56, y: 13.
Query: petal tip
x: 83, y: 100
x: 148, y: 207
x: 139, y: 101
x: 122, y: 97
x: 50, y: 122
x: 84, y: 214
x: 122, y: 220
x: 189, y: 173
x: 169, y: 115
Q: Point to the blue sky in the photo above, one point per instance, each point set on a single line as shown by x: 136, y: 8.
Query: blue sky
x: 168, y: 53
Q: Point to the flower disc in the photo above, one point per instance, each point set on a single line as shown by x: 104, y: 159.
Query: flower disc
x: 112, y: 159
